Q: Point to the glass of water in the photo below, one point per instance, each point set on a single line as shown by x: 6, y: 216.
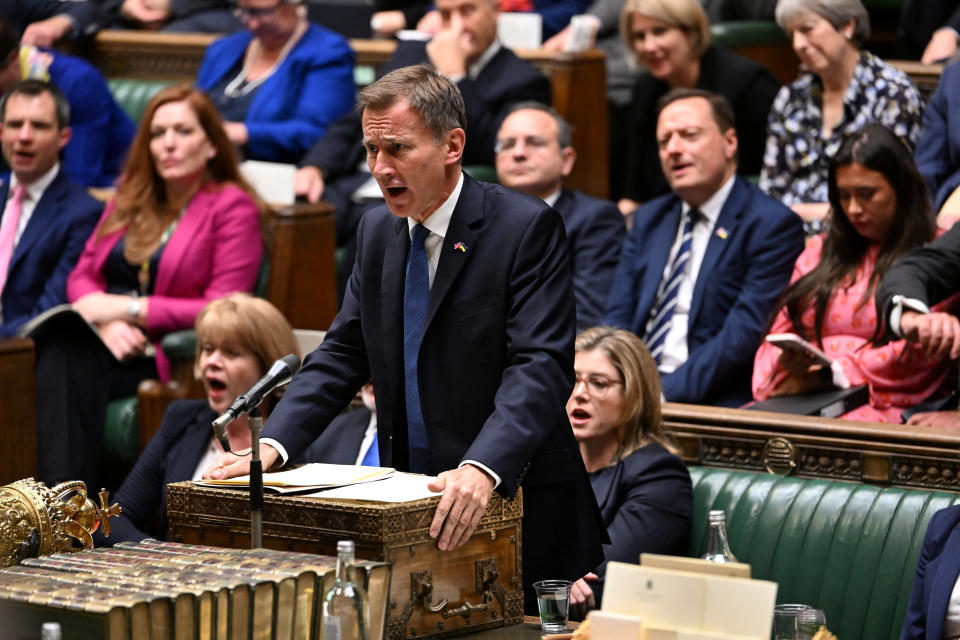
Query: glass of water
x: 809, y: 622
x: 553, y: 599
x: 785, y: 620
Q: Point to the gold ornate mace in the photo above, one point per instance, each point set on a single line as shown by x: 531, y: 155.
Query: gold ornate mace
x: 36, y: 520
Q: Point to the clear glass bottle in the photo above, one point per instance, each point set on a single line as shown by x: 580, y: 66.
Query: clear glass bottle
x: 346, y: 615
x: 51, y: 631
x: 718, y: 549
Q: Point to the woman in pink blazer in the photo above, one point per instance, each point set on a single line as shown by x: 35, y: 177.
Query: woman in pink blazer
x: 182, y: 230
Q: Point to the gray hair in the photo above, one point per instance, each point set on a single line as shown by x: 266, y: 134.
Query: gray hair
x: 426, y: 90
x: 34, y: 88
x: 836, y: 12
x: 564, y: 130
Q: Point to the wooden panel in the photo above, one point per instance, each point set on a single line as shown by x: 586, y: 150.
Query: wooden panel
x: 925, y: 76
x: 301, y: 240
x: 877, y: 453
x: 578, y: 80
x: 18, y: 410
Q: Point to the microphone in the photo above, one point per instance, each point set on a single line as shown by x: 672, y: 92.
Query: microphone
x: 279, y: 374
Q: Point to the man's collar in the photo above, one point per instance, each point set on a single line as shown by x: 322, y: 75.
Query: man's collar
x: 714, y: 204
x: 475, y: 69
x: 36, y: 188
x: 551, y: 199
x: 438, y: 221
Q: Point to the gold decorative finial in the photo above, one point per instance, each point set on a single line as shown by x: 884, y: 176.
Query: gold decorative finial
x: 36, y: 520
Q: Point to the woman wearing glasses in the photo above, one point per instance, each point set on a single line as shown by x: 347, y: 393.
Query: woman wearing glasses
x: 278, y: 83
x: 642, y: 487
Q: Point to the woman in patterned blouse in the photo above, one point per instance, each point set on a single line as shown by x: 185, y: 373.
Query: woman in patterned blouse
x: 844, y: 89
x: 879, y: 211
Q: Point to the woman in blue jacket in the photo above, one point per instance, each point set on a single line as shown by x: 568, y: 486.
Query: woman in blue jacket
x: 279, y: 82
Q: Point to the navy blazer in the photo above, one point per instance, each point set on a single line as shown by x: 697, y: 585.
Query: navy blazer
x: 293, y: 107
x: 938, y: 568
x: 595, y: 231
x: 174, y: 452
x: 938, y: 149
x: 495, y: 365
x: 505, y: 80
x: 647, y: 503
x: 47, y: 252
x: 747, y: 265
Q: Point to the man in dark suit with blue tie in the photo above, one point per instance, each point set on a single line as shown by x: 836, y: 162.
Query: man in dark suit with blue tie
x: 534, y: 154
x: 703, y: 267
x: 45, y: 218
x: 460, y: 309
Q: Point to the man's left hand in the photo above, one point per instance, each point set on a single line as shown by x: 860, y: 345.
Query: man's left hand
x: 466, y: 492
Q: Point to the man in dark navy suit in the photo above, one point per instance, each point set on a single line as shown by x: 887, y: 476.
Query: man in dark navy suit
x: 45, y: 219
x: 490, y: 78
x: 703, y: 266
x: 534, y: 154
x: 460, y: 309
x: 44, y: 22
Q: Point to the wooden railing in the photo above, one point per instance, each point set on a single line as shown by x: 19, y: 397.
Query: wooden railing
x: 876, y: 453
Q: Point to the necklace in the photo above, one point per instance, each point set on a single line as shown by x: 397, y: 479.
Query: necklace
x: 239, y: 87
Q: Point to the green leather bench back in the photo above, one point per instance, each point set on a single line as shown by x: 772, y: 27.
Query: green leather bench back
x: 849, y: 549
x: 133, y: 95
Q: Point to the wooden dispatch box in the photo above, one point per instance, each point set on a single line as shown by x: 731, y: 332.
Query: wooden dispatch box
x: 433, y: 593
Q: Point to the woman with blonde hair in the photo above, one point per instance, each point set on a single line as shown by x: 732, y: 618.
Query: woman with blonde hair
x: 671, y: 42
x: 642, y: 487
x: 183, y: 229
x: 238, y: 338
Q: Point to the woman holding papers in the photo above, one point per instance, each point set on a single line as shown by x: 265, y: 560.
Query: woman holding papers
x: 642, y: 487
x: 238, y: 338
x: 878, y: 211
x: 183, y: 229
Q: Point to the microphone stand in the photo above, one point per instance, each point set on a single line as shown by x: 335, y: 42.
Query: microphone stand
x: 255, y: 421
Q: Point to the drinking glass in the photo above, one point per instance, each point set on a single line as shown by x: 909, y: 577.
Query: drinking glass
x: 785, y: 620
x: 553, y: 599
x: 809, y: 622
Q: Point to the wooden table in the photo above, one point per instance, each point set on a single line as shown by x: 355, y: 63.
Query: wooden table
x: 529, y: 630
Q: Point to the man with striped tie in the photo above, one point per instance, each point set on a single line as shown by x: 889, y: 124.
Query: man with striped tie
x: 703, y: 266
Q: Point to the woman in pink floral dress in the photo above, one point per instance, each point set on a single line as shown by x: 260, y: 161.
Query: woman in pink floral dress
x: 879, y: 211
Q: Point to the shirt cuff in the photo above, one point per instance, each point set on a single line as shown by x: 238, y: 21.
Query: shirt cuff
x: 485, y: 469
x: 279, y: 447
x: 840, y: 380
x: 899, y: 302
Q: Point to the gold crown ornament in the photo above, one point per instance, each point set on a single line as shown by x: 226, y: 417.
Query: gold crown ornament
x: 36, y: 520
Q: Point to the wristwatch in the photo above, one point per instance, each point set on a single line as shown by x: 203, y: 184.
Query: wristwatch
x: 133, y: 308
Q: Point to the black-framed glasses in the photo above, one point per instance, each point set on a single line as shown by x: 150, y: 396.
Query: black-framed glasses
x: 245, y: 13
x: 596, y: 386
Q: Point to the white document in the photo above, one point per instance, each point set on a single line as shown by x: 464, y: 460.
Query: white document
x: 313, y: 475
x: 520, y: 30
x: 739, y: 607
x: 273, y: 181
x: 663, y: 598
x: 399, y: 487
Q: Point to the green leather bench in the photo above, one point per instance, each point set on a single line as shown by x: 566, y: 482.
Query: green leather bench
x: 849, y: 549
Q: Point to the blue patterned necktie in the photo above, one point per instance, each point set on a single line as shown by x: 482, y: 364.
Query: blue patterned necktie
x: 372, y: 457
x: 416, y: 298
x: 667, y: 292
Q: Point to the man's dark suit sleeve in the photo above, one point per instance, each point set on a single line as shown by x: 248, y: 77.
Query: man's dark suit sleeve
x: 935, y: 159
x: 929, y: 274
x: 339, y: 150
x: 712, y: 367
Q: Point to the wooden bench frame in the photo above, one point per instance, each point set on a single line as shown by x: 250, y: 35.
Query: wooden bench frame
x: 876, y: 453
x: 578, y: 82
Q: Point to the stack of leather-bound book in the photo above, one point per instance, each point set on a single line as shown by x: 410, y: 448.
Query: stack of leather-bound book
x: 153, y: 590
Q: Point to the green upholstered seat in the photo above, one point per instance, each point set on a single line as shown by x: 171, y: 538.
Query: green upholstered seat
x: 747, y: 33
x: 849, y: 549
x: 133, y: 95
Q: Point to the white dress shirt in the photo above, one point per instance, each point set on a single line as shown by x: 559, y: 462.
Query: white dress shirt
x: 675, y: 350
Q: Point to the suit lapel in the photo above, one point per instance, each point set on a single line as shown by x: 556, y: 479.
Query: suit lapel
x: 459, y: 235
x: 391, y: 292
x: 720, y: 239
x: 177, y: 247
x: 943, y: 582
